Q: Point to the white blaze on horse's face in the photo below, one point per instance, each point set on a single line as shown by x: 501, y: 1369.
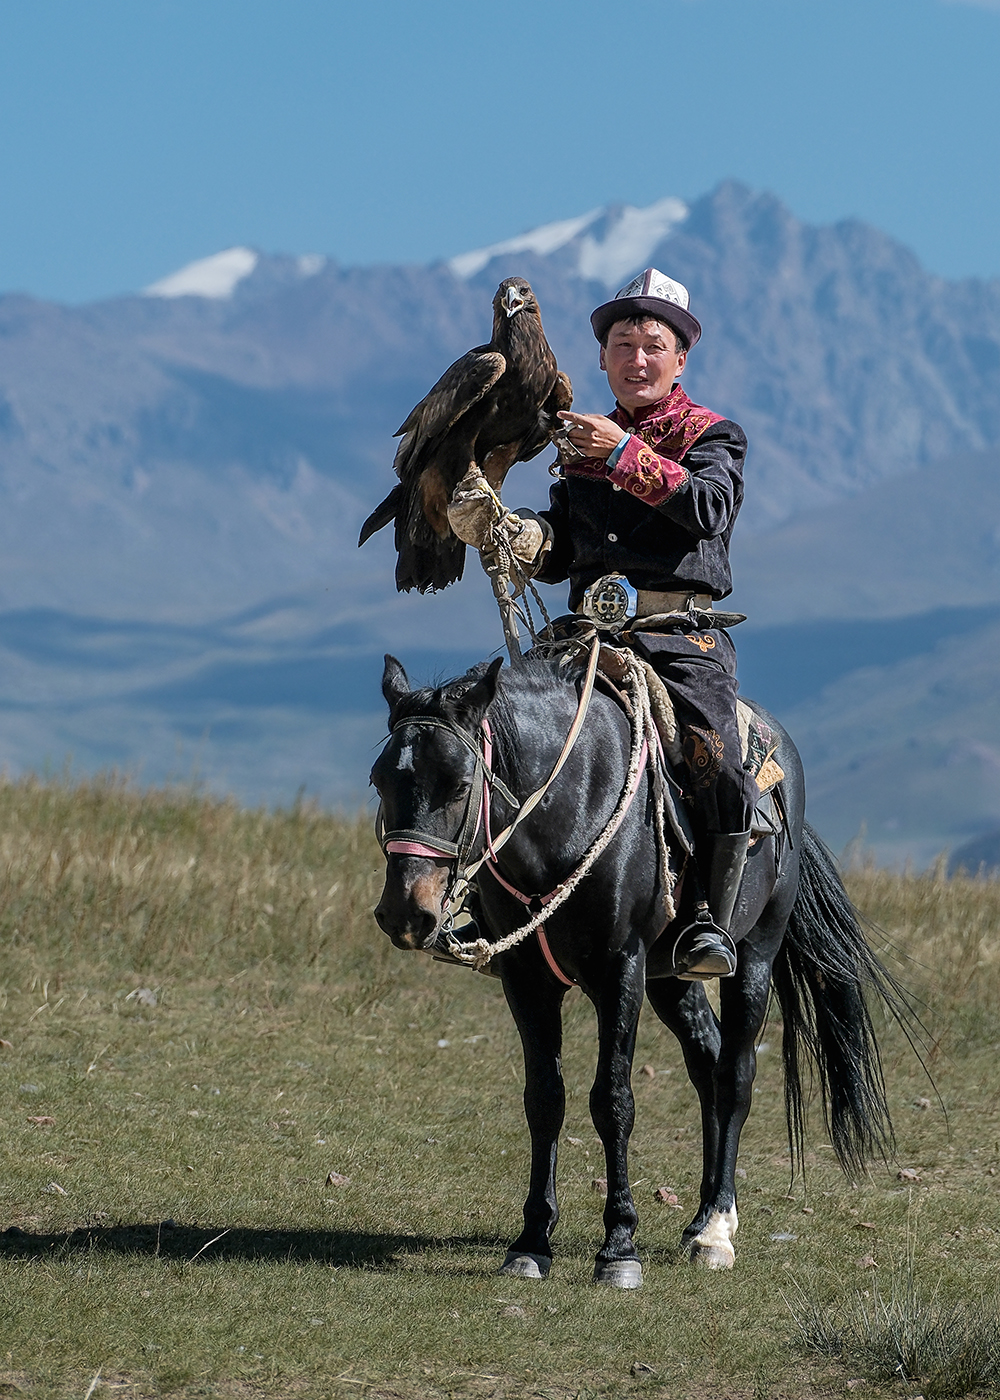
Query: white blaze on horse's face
x: 411, y: 909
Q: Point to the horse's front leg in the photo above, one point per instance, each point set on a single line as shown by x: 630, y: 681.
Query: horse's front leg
x: 709, y: 1237
x: 535, y: 1000
x: 612, y: 1107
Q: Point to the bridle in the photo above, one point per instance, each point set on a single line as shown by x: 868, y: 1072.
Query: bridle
x: 476, y: 816
x: 407, y: 842
x: 645, y: 745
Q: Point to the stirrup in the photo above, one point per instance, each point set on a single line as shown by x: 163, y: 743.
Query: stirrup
x: 712, y: 952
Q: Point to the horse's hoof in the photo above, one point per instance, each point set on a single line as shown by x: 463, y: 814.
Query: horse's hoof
x: 619, y: 1273
x: 520, y: 1264
x: 713, y: 1256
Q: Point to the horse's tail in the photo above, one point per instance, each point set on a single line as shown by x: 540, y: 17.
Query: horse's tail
x: 821, y: 976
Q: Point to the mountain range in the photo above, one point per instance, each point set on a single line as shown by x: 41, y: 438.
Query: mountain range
x: 183, y: 473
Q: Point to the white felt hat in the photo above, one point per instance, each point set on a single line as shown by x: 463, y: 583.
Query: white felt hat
x: 654, y: 294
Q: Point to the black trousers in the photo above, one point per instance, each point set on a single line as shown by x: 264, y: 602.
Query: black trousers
x: 699, y: 668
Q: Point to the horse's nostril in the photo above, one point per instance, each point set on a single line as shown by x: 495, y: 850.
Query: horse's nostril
x: 409, y: 925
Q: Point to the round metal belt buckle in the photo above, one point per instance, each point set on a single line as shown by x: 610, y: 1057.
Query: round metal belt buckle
x: 610, y: 600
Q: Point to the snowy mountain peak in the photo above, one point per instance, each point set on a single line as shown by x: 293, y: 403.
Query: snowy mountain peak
x: 609, y: 242
x: 216, y: 277
x: 628, y: 240
x: 543, y: 240
x: 309, y: 264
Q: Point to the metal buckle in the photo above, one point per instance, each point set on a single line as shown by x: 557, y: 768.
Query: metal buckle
x: 609, y: 601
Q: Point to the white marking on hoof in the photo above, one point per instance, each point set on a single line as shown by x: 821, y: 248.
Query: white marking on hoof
x: 524, y: 1265
x: 619, y: 1273
x: 713, y: 1258
x: 712, y: 1248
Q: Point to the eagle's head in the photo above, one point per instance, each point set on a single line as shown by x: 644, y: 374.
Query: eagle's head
x: 514, y: 294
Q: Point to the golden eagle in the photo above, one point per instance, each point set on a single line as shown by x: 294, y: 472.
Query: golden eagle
x: 495, y: 406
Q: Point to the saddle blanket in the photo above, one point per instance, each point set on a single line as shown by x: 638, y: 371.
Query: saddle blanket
x: 759, y: 744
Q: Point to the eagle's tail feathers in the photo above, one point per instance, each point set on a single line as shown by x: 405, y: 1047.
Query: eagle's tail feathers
x: 382, y: 514
x: 429, y: 568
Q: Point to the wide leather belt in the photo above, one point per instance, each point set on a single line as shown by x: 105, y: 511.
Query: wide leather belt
x: 649, y: 603
x: 611, y: 600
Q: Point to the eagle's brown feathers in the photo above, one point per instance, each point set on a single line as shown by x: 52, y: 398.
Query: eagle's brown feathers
x: 495, y: 406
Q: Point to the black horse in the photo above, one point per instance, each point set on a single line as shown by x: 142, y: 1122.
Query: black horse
x: 794, y: 925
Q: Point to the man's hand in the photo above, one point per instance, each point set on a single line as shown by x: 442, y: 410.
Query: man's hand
x: 473, y: 513
x: 591, y: 433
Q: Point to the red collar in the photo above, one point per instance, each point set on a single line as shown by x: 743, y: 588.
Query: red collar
x: 662, y: 408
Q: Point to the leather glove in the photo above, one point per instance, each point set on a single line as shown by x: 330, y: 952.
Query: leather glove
x: 472, y: 510
x: 526, y: 539
x: 473, y: 514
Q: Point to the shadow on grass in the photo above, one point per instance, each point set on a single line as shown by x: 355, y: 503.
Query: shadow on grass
x: 203, y: 1243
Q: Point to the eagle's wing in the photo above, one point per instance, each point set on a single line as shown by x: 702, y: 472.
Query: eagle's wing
x: 463, y: 384
x: 560, y: 398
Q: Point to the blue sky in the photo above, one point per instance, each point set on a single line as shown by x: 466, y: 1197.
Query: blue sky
x: 137, y: 136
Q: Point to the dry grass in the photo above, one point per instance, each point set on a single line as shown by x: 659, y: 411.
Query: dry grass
x: 101, y: 873
x: 943, y: 936
x: 289, y: 1040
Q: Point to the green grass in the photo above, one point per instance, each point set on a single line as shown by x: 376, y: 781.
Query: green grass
x: 289, y: 1040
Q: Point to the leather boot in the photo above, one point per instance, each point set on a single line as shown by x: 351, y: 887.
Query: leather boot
x: 705, y: 948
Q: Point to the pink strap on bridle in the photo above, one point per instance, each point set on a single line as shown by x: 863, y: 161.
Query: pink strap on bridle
x: 488, y: 760
x: 415, y: 848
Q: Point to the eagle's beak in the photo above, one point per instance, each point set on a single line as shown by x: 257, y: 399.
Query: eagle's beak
x: 512, y: 301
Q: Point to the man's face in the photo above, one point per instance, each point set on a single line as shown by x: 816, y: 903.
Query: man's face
x: 641, y: 362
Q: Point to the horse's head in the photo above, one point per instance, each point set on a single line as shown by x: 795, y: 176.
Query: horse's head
x: 425, y: 777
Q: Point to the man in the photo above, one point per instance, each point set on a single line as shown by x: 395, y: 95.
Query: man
x: 653, y: 496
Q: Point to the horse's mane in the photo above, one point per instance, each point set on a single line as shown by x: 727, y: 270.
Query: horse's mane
x: 442, y: 701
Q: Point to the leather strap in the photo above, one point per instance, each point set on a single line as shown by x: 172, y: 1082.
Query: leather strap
x: 649, y: 602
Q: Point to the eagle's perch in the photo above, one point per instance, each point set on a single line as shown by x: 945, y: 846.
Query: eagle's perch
x: 495, y: 406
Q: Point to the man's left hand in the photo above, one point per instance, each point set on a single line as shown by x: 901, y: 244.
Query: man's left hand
x: 592, y: 433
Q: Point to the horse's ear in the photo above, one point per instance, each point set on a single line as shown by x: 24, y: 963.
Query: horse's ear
x: 395, y: 682
x: 470, y: 706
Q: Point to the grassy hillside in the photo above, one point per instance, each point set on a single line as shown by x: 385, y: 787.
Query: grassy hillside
x: 202, y: 1023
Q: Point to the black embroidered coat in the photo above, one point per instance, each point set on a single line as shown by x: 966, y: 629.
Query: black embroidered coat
x: 662, y: 514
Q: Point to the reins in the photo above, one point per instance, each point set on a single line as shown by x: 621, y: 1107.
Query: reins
x: 644, y: 741
x: 544, y: 901
x: 405, y: 841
